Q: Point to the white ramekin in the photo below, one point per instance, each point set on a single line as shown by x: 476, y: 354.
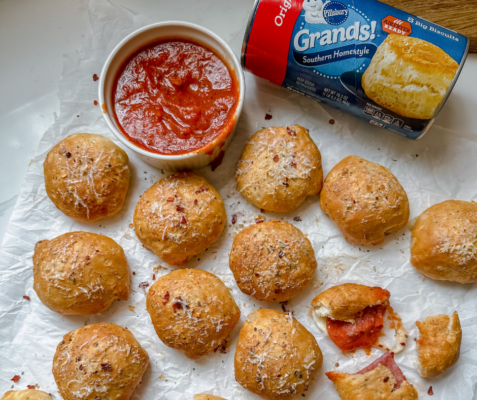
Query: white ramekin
x: 130, y: 44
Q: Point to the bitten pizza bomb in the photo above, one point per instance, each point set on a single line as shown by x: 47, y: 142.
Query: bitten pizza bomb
x: 27, y: 394
x: 276, y: 356
x: 272, y: 261
x: 87, y: 177
x: 439, y: 344
x: 381, y: 380
x: 443, y: 242
x: 364, y: 200
x: 352, y: 316
x: 192, y: 310
x: 99, y: 361
x: 179, y: 217
x: 279, y: 168
x: 80, y: 273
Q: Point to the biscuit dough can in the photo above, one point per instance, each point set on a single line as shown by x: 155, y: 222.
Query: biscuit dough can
x: 376, y: 62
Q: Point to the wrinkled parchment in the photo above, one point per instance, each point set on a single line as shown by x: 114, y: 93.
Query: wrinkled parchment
x: 439, y: 167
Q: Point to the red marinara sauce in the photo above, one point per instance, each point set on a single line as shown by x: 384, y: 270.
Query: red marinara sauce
x: 174, y: 97
x: 364, y: 332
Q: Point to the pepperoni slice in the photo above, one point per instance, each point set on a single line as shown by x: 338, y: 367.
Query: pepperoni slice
x: 362, y: 333
x: 387, y: 360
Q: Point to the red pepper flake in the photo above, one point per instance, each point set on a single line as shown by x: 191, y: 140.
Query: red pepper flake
x: 203, y: 188
x: 95, y: 77
x: 68, y: 155
x: 286, y: 184
x: 275, y: 158
x: 134, y: 273
x: 403, y: 344
x: 278, y: 291
x: 183, y: 221
x: 81, y: 367
x: 293, y: 164
x: 283, y: 304
x: 234, y: 219
x: 430, y: 392
x: 262, y: 211
x: 79, y: 357
x: 153, y: 277
x: 222, y: 347
x: 170, y: 199
x: 180, y: 209
x: 281, y: 254
x: 95, y: 102
x: 106, y: 367
x: 167, y: 296
x: 268, y: 117
x: 257, y: 275
x: 332, y: 121
x: 178, y: 304
x: 297, y: 218
x: 31, y: 387
x: 259, y: 221
x: 386, y: 379
x: 144, y: 285
x: 16, y: 378
x: 291, y: 131
x: 26, y: 297
x: 195, y: 202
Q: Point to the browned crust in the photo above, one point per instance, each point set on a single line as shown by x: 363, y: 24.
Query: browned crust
x: 279, y: 168
x: 423, y: 55
x: 444, y: 244
x: 80, y: 273
x: 364, y: 200
x: 192, y: 310
x: 26, y: 394
x: 179, y: 217
x: 276, y: 356
x: 345, y: 301
x: 99, y: 360
x: 439, y: 344
x: 272, y: 261
x: 87, y: 177
x: 377, y: 384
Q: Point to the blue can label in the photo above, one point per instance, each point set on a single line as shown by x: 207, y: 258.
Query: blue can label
x: 363, y: 57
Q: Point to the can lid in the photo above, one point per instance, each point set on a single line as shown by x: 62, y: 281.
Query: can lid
x: 449, y: 91
x: 246, y: 35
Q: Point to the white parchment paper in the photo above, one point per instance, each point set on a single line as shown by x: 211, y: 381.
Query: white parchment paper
x: 439, y: 167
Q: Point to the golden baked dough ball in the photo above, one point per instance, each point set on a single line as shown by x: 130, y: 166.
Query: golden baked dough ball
x: 439, y: 344
x: 87, y: 177
x: 364, y: 200
x: 99, y: 361
x: 192, y: 310
x: 80, y: 273
x: 179, y: 217
x: 276, y: 356
x: 444, y: 242
x: 27, y: 394
x: 272, y: 261
x: 279, y: 168
x: 207, y: 397
x: 409, y: 76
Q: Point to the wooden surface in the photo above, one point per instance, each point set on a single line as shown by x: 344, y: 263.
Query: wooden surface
x: 458, y: 15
